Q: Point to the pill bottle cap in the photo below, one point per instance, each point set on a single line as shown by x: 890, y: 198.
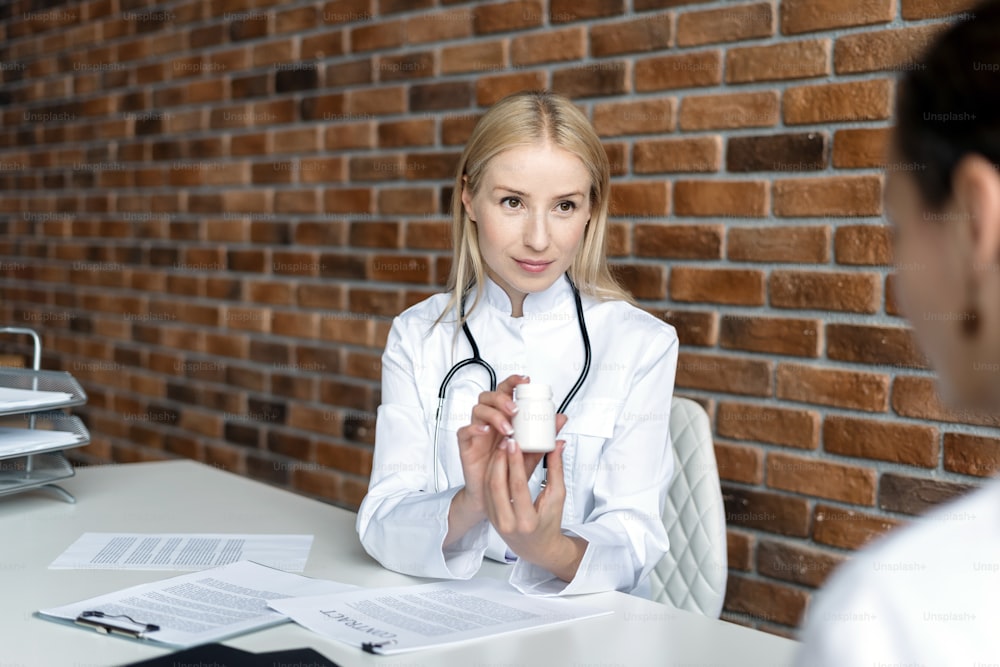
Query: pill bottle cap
x: 532, y: 390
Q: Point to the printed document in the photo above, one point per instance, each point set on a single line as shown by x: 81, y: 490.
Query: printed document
x: 405, y: 618
x: 182, y: 551
x: 199, y: 607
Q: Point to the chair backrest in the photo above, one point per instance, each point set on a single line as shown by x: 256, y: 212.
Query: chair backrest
x: 693, y: 574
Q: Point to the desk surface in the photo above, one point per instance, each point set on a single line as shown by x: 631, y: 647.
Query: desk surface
x: 184, y: 497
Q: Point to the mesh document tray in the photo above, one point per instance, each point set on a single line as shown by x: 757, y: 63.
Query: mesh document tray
x: 27, y: 472
x: 61, y: 381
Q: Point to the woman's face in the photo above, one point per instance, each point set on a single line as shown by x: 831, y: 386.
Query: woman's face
x: 531, y: 210
x: 942, y: 268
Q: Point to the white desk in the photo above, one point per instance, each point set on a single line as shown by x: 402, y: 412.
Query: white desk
x: 184, y: 496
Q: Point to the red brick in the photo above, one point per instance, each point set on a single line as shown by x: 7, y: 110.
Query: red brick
x: 679, y: 241
x: 926, y: 9
x: 490, y: 89
x: 377, y: 101
x: 722, y: 198
x: 795, y: 563
x: 836, y: 102
x: 348, y: 200
x: 570, y: 10
x: 687, y: 70
x: 884, y: 346
x: 799, y: 16
x: 775, y: 62
x: 475, y: 57
x: 725, y: 374
x: 432, y: 27
x: 824, y: 386
x: 884, y: 50
x: 717, y: 285
x: 804, y: 151
x: 779, y: 426
x: 912, y: 444
x: 848, y: 529
x: 971, y: 454
x: 917, y: 397
x: 729, y: 24
x: 913, y: 495
x: 378, y: 36
x: 549, y: 46
x: 643, y: 281
x: 693, y: 327
x: 732, y: 110
x: 807, y: 245
x: 602, y: 78
x: 815, y: 477
x: 772, y: 335
x: 349, y: 135
x: 696, y: 154
x: 639, y: 117
x: 737, y: 463
x: 416, y: 65
x: 650, y: 33
x: 638, y: 198
x: 507, y: 16
x: 833, y: 196
x: 863, y: 244
x: 407, y: 201
x: 739, y: 550
x: 860, y: 148
x: 765, y: 510
x: 852, y: 292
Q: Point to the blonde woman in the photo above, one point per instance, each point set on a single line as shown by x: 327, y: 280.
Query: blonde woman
x: 530, y: 299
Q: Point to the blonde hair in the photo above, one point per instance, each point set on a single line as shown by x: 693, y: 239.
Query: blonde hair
x: 531, y: 118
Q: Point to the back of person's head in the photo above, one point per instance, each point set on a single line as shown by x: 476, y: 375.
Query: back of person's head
x: 949, y: 102
x: 943, y: 193
x: 533, y: 118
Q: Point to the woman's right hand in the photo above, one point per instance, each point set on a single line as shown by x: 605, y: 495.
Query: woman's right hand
x: 492, y: 422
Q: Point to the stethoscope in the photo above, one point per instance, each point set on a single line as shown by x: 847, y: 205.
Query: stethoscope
x: 477, y: 360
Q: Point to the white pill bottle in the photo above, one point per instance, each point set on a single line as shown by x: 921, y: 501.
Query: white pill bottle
x: 535, y: 419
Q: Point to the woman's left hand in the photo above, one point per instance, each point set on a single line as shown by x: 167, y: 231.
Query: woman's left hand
x: 532, y: 530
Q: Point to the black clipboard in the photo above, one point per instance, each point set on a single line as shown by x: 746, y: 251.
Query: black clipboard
x: 227, y: 656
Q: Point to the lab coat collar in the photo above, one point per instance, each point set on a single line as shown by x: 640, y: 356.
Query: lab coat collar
x: 556, y: 297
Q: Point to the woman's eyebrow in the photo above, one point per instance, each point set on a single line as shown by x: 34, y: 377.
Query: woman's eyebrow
x: 527, y: 196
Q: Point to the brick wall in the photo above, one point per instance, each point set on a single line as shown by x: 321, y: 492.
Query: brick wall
x: 212, y: 210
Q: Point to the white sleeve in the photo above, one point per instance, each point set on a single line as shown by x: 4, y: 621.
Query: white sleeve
x: 625, y: 530
x: 402, y: 523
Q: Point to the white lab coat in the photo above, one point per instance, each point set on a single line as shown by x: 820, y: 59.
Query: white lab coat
x: 928, y: 594
x: 618, y: 460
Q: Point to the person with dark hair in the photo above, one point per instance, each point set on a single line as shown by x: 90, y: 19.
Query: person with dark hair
x: 530, y: 295
x: 928, y: 593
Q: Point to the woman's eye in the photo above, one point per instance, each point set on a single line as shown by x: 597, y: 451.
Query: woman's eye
x: 566, y: 206
x: 510, y: 202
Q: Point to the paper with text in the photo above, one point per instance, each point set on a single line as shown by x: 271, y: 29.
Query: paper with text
x: 30, y: 399
x: 182, y: 551
x: 406, y: 618
x: 202, y: 607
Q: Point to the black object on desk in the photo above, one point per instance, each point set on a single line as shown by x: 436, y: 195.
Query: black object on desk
x: 221, y: 655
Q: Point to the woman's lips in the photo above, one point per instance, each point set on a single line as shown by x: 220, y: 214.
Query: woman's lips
x: 532, y: 267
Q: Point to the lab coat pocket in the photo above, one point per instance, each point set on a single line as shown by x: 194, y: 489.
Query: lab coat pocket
x: 586, y: 433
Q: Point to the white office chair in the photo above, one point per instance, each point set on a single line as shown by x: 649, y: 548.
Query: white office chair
x: 692, y: 575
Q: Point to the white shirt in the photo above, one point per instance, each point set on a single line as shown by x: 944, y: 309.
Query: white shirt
x: 618, y: 461
x: 926, y: 595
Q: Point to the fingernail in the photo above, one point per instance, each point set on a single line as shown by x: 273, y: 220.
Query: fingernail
x: 483, y: 428
x: 511, y: 445
x: 525, y: 377
x: 503, y: 443
x: 512, y: 406
x: 508, y: 429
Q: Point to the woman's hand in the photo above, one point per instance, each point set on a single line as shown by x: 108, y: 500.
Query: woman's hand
x: 532, y: 530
